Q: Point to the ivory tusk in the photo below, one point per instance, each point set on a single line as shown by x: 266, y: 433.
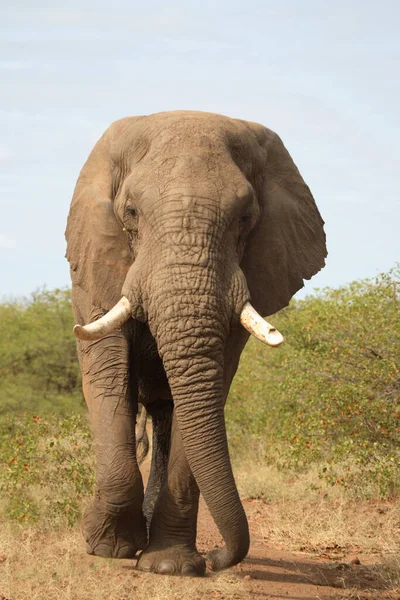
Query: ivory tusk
x: 262, y: 330
x: 109, y: 322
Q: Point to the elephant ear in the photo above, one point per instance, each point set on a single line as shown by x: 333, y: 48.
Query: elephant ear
x: 288, y: 243
x: 97, y: 248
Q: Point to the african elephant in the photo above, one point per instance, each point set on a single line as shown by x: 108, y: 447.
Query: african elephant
x: 178, y: 221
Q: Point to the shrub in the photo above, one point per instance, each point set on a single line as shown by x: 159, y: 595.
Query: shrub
x: 38, y: 364
x: 331, y: 394
x: 46, y: 468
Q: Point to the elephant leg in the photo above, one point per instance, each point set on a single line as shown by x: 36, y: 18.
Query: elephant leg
x: 172, y: 539
x: 114, y: 525
x: 161, y: 413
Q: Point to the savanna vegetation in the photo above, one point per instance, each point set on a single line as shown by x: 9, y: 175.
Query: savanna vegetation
x: 320, y: 415
x: 39, y: 371
x: 329, y: 398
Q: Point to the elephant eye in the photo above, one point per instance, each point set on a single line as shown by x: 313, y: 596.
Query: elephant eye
x: 131, y: 212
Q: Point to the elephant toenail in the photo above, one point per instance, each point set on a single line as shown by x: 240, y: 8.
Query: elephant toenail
x: 166, y: 567
x: 144, y: 565
x: 188, y: 568
x: 103, y: 550
x: 126, y: 552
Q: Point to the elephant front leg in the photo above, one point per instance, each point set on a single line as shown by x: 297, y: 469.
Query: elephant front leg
x: 172, y: 539
x: 114, y: 525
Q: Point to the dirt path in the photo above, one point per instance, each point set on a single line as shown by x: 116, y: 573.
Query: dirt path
x: 275, y: 573
x: 270, y: 572
x: 38, y: 564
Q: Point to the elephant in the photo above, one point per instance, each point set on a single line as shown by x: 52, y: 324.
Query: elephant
x: 185, y: 229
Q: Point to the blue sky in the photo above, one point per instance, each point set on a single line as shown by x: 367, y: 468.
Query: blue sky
x: 324, y: 75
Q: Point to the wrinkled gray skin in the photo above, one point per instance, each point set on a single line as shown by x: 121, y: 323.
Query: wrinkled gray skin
x: 188, y: 215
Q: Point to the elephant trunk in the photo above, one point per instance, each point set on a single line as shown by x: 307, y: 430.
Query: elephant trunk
x: 190, y: 326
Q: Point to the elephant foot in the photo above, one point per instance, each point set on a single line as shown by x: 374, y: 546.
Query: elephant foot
x: 172, y: 561
x: 114, y: 536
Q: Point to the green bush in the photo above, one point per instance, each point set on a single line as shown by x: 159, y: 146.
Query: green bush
x: 331, y: 393
x: 46, y: 468
x: 39, y: 371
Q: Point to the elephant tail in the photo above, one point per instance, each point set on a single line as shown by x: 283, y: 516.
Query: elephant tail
x: 142, y: 439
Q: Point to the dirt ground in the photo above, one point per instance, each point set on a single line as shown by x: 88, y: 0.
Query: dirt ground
x: 272, y: 572
x: 269, y: 571
x: 38, y: 564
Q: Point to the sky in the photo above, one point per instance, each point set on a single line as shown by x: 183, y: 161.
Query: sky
x: 324, y: 75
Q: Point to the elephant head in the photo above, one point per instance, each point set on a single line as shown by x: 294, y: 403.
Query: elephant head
x: 189, y: 217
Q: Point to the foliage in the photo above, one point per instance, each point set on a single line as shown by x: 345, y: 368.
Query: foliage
x: 330, y: 396
x: 39, y: 371
x: 331, y: 393
x: 46, y: 468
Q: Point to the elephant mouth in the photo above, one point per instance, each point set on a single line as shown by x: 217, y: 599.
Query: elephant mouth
x: 122, y: 311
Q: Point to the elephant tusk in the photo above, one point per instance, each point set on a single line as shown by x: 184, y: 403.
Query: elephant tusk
x: 262, y: 330
x: 109, y: 322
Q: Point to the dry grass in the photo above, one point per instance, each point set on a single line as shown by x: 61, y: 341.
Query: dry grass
x: 334, y: 525
x: 258, y: 476
x: 261, y: 480
x: 389, y: 571
x: 301, y: 516
x: 298, y: 514
x: 39, y: 566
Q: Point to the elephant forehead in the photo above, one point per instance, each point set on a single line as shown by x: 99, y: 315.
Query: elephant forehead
x: 173, y: 163
x: 196, y: 165
x: 196, y: 130
x: 182, y: 140
x: 207, y: 141
x: 195, y: 146
x: 189, y: 181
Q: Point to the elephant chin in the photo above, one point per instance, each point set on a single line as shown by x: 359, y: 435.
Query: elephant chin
x: 122, y: 311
